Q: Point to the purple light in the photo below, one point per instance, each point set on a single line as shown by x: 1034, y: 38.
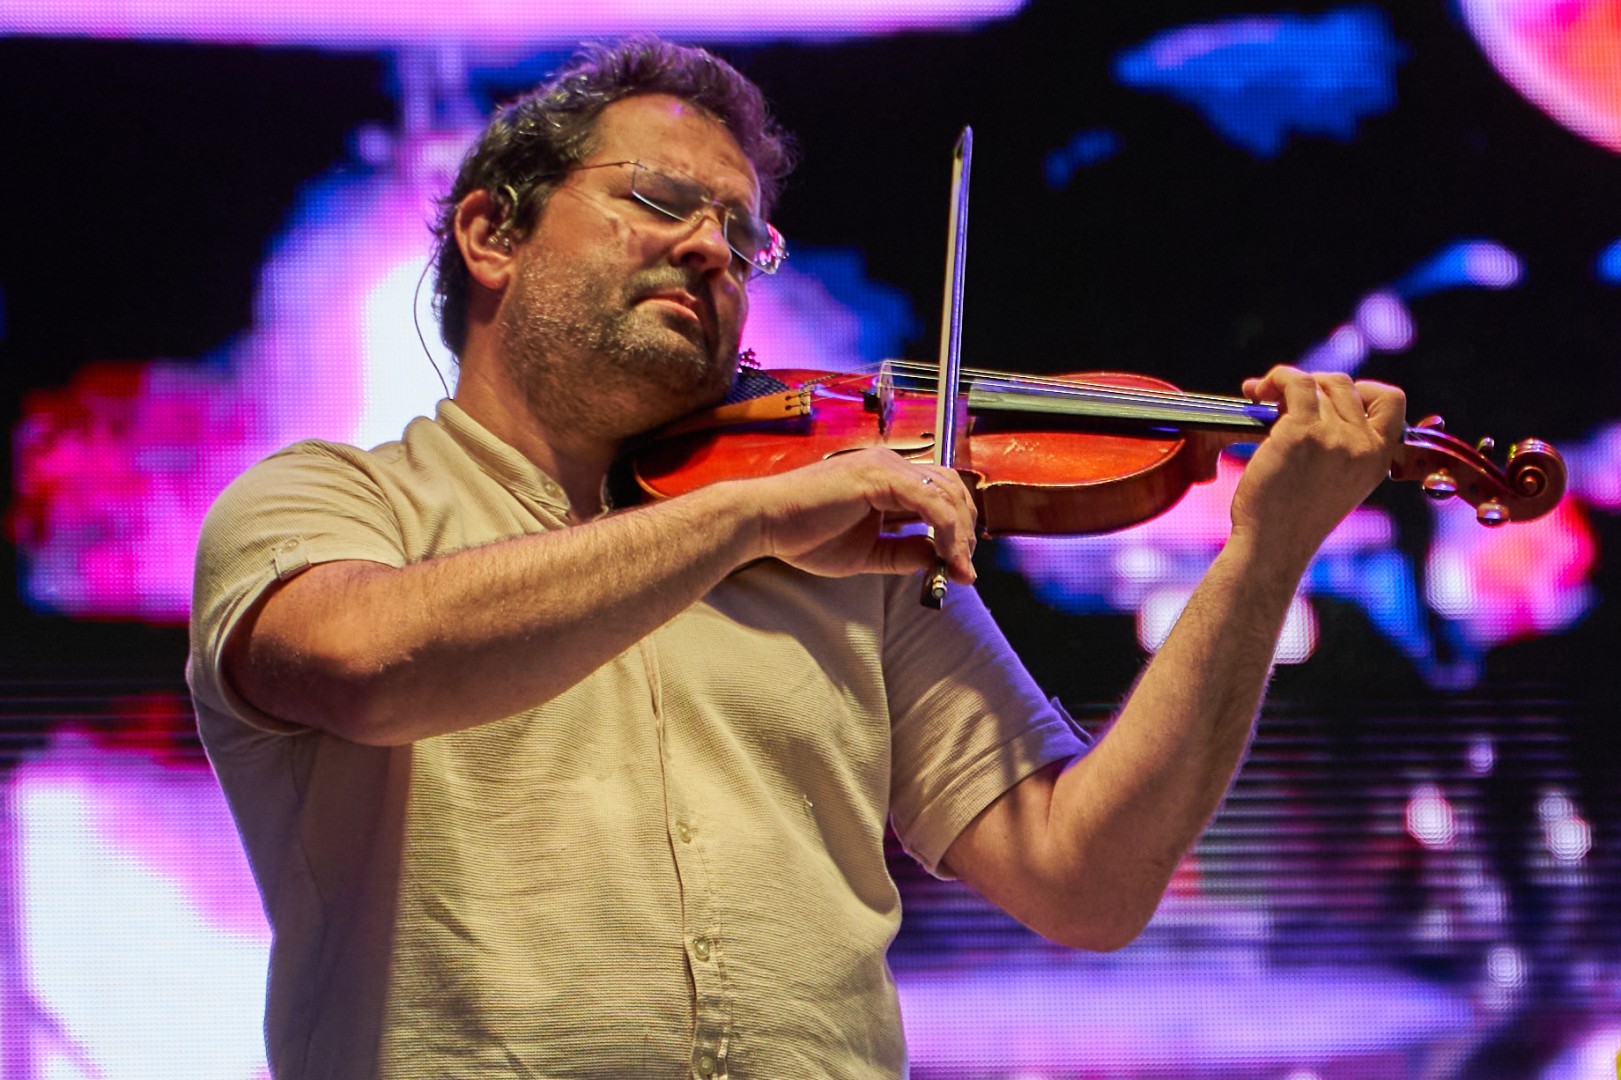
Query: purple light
x: 1160, y: 1017
x: 1595, y: 468
x: 1491, y: 266
x: 1462, y: 264
x: 508, y: 27
x: 1385, y: 322
x: 1194, y: 42
x: 1344, y: 351
x: 1505, y: 966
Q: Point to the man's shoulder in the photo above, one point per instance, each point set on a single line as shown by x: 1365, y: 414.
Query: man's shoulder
x: 423, y: 435
x: 327, y: 460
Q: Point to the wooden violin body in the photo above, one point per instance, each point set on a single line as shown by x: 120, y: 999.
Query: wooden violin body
x: 1066, y: 455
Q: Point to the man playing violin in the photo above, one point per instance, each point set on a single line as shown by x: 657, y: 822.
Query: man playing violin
x: 534, y: 787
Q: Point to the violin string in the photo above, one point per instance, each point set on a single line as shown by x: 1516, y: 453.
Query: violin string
x: 1126, y: 397
x: 1073, y: 386
x: 1153, y: 403
x: 1105, y: 391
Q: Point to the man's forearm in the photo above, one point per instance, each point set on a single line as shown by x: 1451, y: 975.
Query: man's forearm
x: 1127, y: 813
x: 385, y: 655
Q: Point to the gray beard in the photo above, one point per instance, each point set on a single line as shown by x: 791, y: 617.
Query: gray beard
x: 587, y: 358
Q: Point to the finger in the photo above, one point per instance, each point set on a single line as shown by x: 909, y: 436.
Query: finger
x: 965, y: 521
x: 953, y: 484
x: 1387, y: 408
x: 938, y: 497
x: 1342, y: 397
x: 1291, y: 386
x: 901, y: 555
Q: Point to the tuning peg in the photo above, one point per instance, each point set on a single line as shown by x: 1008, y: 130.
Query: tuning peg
x: 1491, y: 513
x: 1485, y: 446
x: 1432, y: 423
x: 1440, y: 485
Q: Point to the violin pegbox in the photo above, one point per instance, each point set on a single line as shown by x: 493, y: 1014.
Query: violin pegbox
x: 1529, y: 483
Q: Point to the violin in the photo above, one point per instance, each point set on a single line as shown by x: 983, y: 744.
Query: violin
x: 1056, y: 455
x: 1060, y: 455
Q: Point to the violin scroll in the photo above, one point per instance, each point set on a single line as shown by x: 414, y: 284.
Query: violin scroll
x: 1529, y: 483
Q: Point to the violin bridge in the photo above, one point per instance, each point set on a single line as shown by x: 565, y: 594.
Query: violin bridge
x: 884, y: 392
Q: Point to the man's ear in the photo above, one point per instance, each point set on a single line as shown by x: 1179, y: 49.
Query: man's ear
x: 484, y: 235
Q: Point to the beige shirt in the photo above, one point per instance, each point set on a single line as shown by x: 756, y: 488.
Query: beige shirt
x: 673, y: 869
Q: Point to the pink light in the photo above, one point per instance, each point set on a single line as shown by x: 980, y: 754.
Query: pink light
x: 1563, y: 55
x: 1505, y: 584
x: 139, y: 926
x: 1569, y: 839
x: 1430, y: 820
x: 1565, y: 833
x: 116, y: 470
x: 502, y: 29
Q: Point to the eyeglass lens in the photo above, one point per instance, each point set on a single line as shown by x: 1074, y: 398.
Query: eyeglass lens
x: 750, y: 236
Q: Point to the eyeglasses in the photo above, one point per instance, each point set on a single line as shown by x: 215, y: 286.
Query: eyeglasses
x: 751, y: 237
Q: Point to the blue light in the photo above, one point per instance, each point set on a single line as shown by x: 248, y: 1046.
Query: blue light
x: 1257, y: 80
x: 1467, y: 263
x: 1609, y: 264
x: 1087, y: 148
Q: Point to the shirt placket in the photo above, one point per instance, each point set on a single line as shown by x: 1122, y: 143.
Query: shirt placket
x: 692, y: 846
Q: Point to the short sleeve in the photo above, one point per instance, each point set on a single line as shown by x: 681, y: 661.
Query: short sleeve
x: 968, y: 722
x: 311, y: 503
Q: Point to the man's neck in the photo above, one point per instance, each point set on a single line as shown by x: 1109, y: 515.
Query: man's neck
x: 565, y: 452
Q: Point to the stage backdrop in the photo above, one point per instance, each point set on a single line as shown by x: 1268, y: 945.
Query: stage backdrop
x: 215, y: 246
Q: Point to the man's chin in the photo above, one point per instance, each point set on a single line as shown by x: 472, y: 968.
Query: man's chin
x: 686, y: 371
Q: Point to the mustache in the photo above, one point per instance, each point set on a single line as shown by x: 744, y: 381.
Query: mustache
x: 665, y: 278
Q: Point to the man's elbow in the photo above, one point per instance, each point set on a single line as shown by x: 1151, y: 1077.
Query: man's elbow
x: 331, y: 687
x: 1097, y: 935
x: 1096, y: 931
x: 363, y: 698
x: 1084, y: 919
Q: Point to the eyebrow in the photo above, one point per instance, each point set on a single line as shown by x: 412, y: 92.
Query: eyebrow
x: 750, y: 202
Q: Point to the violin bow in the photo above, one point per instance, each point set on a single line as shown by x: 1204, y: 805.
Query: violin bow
x: 935, y: 581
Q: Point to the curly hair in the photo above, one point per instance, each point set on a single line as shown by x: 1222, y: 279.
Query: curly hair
x: 532, y: 141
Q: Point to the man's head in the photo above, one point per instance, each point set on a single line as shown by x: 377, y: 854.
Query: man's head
x: 532, y: 144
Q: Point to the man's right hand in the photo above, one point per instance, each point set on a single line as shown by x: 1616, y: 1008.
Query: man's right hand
x: 829, y: 518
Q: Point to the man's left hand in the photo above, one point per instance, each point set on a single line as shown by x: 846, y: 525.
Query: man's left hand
x: 1333, y: 443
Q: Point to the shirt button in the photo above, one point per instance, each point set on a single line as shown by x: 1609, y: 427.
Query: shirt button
x: 684, y: 831
x: 706, y: 1065
x: 700, y: 948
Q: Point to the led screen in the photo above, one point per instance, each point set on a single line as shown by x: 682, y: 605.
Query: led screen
x: 218, y: 245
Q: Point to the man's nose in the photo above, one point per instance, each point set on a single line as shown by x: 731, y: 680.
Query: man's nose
x: 705, y: 241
